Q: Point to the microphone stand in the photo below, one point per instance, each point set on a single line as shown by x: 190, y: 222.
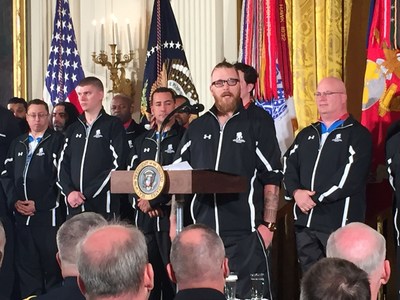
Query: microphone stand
x: 179, y: 199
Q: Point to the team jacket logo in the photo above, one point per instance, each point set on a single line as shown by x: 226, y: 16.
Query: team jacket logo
x: 78, y: 135
x: 20, y: 153
x: 130, y: 143
x: 98, y: 134
x: 40, y: 152
x: 338, y: 138
x: 146, y: 150
x: 239, y: 138
x: 311, y: 137
x: 207, y: 136
x: 170, y: 150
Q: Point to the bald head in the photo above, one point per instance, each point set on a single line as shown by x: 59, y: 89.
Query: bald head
x: 113, y: 261
x: 331, y: 99
x: 198, y: 257
x: 358, y: 243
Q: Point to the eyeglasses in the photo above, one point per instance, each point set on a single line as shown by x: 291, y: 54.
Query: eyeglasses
x: 229, y: 81
x: 326, y: 94
x: 40, y: 116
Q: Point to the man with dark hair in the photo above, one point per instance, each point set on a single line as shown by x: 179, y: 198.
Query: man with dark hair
x: 9, y: 130
x: 29, y: 181
x: 112, y: 264
x: 94, y: 146
x: 70, y: 234
x: 335, y: 279
x: 152, y: 217
x: 64, y: 114
x: 198, y: 263
x: 18, y: 106
x: 366, y: 248
x: 248, y: 79
x: 122, y: 108
x: 230, y: 139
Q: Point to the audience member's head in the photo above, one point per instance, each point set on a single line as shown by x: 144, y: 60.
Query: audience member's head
x: 198, y: 259
x: 366, y: 248
x: 70, y: 234
x: 335, y: 279
x: 122, y: 107
x: 64, y: 114
x: 18, y: 106
x: 112, y: 264
x: 183, y: 118
x: 2, y: 242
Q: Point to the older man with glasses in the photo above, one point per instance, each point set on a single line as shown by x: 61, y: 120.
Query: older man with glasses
x: 29, y: 181
x: 325, y: 172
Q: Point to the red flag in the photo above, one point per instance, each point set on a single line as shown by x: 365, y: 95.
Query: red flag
x: 381, y: 87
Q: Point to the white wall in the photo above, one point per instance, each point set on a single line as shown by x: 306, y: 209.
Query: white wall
x: 208, y: 30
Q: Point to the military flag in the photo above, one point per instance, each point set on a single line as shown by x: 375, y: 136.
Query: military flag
x: 166, y: 64
x: 381, y: 95
x: 263, y: 45
x: 64, y: 69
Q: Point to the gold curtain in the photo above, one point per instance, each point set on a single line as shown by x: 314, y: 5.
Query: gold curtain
x: 318, y: 35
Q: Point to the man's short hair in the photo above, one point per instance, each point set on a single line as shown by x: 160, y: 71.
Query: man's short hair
x: 73, y: 231
x: 223, y: 65
x: 38, y: 102
x: 162, y: 89
x: 117, y: 270
x: 126, y: 98
x: 335, y: 279
x: 2, y: 242
x: 91, y: 80
x: 194, y: 261
x: 370, y: 259
x: 250, y: 74
x: 17, y: 100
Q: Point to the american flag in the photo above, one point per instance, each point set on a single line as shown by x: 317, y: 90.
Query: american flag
x: 64, y: 70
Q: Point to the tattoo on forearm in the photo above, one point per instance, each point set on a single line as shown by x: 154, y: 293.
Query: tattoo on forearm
x: 271, y: 201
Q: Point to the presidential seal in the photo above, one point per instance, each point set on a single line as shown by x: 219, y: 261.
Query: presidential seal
x: 148, y: 180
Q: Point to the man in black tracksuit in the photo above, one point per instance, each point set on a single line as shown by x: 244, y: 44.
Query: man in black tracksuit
x: 230, y: 139
x: 325, y: 172
x: 152, y: 217
x: 29, y: 181
x: 94, y: 146
x: 393, y: 164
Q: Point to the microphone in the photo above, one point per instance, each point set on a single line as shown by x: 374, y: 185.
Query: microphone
x: 192, y: 109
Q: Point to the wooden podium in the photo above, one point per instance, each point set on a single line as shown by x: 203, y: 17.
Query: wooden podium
x: 183, y: 182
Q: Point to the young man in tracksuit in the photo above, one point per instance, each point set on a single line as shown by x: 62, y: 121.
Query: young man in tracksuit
x: 393, y: 164
x: 94, y: 146
x: 29, y: 181
x: 230, y: 139
x: 152, y: 217
x: 325, y: 172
